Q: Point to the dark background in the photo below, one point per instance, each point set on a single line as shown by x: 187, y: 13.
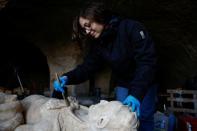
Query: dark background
x: 39, y: 24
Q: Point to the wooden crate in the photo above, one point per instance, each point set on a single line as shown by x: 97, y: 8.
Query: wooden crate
x: 173, y: 99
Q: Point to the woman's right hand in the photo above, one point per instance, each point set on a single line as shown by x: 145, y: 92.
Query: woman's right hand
x: 60, y: 85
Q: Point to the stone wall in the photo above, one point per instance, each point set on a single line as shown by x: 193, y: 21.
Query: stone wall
x: 3, y: 3
x: 48, y: 24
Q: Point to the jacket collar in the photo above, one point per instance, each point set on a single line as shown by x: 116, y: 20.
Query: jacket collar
x: 111, y: 29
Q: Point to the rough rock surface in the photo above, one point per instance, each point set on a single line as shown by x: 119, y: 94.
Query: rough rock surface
x: 3, y: 3
x: 10, y: 112
x: 51, y: 114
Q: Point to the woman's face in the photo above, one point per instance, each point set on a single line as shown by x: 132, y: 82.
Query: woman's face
x: 91, y: 28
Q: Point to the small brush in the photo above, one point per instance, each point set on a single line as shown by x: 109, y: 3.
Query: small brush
x: 65, y: 99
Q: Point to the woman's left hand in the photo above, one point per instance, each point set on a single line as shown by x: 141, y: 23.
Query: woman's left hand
x: 133, y: 103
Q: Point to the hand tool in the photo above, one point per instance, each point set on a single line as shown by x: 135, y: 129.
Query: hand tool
x: 19, y: 80
x: 65, y: 99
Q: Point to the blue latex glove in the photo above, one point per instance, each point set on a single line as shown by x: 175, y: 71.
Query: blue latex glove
x: 133, y: 103
x: 60, y: 86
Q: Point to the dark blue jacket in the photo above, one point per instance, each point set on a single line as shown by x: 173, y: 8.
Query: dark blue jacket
x: 129, y: 51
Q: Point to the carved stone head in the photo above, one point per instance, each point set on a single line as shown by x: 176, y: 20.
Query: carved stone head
x: 112, y: 115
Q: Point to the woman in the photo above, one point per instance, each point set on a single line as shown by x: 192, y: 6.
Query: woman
x: 126, y: 47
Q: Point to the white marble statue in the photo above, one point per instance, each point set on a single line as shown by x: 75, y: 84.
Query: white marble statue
x: 10, y: 112
x: 50, y: 114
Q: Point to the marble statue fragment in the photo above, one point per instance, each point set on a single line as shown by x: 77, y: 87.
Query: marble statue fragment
x: 50, y: 114
x: 10, y: 112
